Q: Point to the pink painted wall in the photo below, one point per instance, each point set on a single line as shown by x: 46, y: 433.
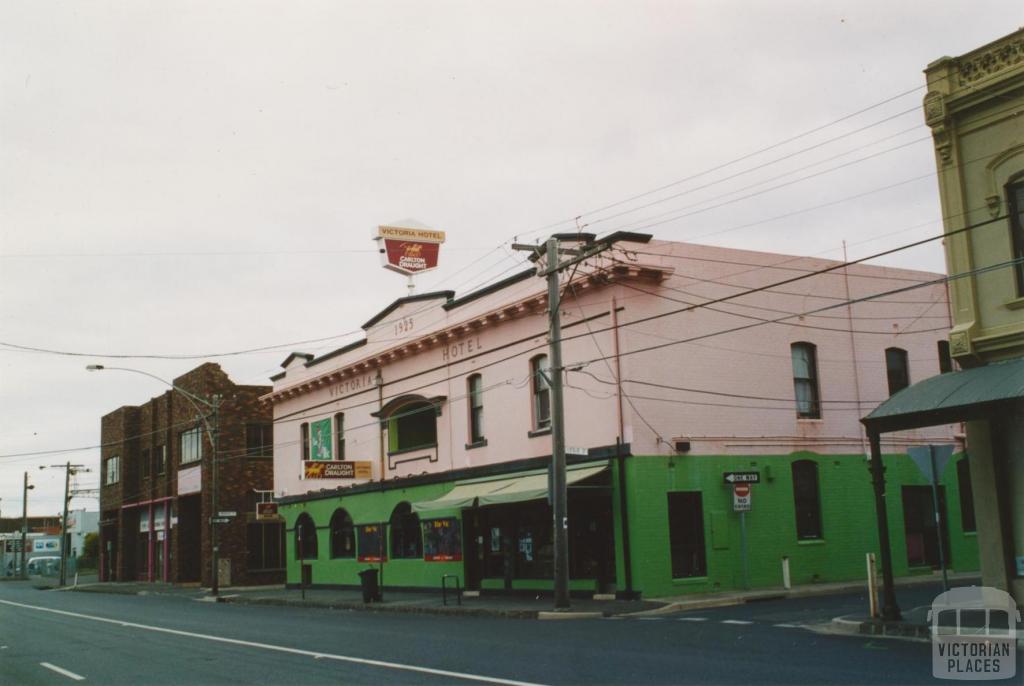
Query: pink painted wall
x: 740, y: 386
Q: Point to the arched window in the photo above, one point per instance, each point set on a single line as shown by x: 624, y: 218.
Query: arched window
x: 343, y: 535
x: 305, y: 538
x: 897, y: 369
x: 475, y: 395
x: 805, y: 380
x: 806, y: 500
x: 406, y: 538
x: 412, y: 426
x: 541, y: 392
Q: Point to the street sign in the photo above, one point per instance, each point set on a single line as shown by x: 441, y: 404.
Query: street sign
x: 220, y: 520
x: 742, y: 477
x: 232, y: 513
x: 741, y: 496
x: 570, y: 450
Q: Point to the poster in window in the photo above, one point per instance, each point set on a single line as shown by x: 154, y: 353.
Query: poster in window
x: 442, y: 540
x: 371, y: 543
x: 321, y: 439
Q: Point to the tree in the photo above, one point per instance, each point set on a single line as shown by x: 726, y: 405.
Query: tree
x: 90, y: 551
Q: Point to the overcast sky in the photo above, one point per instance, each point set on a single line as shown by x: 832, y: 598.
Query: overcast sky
x: 191, y: 178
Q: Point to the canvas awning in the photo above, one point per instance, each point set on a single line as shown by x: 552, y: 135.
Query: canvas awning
x: 531, y: 485
x: 948, y: 398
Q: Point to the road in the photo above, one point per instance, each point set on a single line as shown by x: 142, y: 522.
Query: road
x: 49, y: 637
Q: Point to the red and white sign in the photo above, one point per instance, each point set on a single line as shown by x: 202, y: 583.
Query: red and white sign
x: 408, y: 247
x: 741, y: 495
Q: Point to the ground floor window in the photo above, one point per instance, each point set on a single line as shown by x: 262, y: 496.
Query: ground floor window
x: 442, y: 540
x: 686, y: 534
x: 305, y: 538
x: 370, y: 543
x: 265, y: 546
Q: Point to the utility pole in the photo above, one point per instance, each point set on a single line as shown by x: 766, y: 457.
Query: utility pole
x: 214, y: 526
x: 24, y: 526
x: 559, y: 497
x: 69, y: 471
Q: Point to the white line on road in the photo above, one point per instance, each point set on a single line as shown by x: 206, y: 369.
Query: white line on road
x: 789, y: 626
x: 70, y: 675
x: 283, y: 649
x: 736, y: 621
x: 693, y: 619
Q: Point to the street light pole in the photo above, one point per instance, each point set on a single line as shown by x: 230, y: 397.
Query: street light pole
x: 211, y: 435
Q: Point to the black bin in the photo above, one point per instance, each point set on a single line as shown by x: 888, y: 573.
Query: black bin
x: 371, y: 589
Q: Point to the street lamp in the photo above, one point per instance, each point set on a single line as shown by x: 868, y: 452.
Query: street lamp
x: 211, y: 435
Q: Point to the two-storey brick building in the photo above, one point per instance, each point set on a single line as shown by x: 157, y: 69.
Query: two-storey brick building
x: 156, y: 485
x: 423, y: 448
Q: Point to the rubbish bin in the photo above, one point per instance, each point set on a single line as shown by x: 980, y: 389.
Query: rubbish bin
x: 371, y: 590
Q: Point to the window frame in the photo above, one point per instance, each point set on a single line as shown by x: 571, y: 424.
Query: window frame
x: 402, y: 417
x: 807, y: 500
x: 145, y: 463
x: 112, y: 476
x: 1014, y: 191
x: 342, y: 527
x: 475, y: 403
x: 405, y: 540
x: 339, y: 436
x: 540, y: 391
x: 309, y: 543
x: 810, y: 383
x: 263, y: 448
x: 195, y: 438
x: 304, y: 440
x: 897, y: 369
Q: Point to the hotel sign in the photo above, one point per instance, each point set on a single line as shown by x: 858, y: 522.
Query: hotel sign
x: 409, y: 250
x: 313, y: 469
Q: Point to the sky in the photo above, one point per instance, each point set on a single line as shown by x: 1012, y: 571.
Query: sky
x: 184, y: 181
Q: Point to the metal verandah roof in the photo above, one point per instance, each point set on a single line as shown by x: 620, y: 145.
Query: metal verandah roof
x: 948, y: 398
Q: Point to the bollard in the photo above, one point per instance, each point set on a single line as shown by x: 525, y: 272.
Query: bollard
x: 872, y: 585
x: 785, y: 573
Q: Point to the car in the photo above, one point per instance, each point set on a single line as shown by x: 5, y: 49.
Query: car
x: 45, y: 565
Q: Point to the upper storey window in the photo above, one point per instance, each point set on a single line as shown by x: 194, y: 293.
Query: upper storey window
x: 805, y: 380
x: 897, y: 369
x: 541, y: 392
x: 1015, y: 202
x: 412, y: 426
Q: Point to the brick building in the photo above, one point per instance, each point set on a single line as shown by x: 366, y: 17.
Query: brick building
x: 156, y: 493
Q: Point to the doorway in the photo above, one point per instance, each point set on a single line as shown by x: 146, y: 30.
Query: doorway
x: 922, y: 531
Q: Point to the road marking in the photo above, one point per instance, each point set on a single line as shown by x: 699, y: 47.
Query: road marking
x: 650, y: 619
x: 789, y: 626
x: 70, y: 675
x: 693, y: 619
x: 281, y: 649
x: 736, y: 621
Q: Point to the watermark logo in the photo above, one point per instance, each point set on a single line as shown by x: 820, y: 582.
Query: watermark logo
x: 974, y: 634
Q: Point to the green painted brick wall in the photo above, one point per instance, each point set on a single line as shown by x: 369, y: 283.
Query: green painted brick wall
x: 848, y: 524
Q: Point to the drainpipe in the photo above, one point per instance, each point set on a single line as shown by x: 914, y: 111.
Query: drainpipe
x: 853, y: 345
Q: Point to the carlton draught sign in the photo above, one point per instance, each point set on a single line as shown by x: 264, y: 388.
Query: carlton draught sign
x: 408, y: 247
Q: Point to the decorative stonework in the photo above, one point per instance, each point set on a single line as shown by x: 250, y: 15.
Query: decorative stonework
x: 943, y: 144
x: 1000, y: 57
x: 994, y: 203
x: 934, y: 109
x: 959, y: 343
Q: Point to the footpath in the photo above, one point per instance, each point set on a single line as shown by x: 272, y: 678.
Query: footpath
x: 532, y: 606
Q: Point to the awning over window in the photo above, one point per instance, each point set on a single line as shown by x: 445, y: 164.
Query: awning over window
x: 531, y: 485
x: 949, y: 398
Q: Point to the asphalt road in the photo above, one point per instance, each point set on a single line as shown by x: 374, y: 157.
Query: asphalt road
x: 49, y: 637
